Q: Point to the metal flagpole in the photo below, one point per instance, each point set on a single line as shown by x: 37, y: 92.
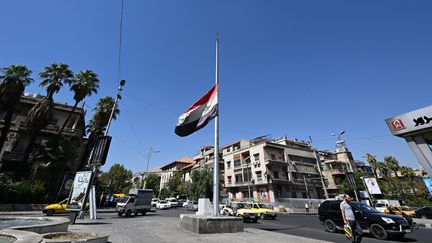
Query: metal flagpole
x: 216, y: 141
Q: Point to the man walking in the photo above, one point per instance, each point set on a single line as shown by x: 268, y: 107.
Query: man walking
x: 349, y: 219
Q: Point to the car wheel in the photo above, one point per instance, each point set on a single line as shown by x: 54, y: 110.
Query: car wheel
x: 330, y: 225
x: 120, y: 214
x: 378, y: 231
x: 136, y: 213
x: 50, y: 212
x: 128, y: 213
x: 144, y: 212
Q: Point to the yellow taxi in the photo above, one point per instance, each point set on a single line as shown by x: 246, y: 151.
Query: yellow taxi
x: 240, y: 209
x: 264, y: 211
x: 400, y: 210
x: 59, y: 207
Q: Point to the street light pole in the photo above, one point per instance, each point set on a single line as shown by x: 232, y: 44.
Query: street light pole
x: 119, y: 90
x: 151, y: 151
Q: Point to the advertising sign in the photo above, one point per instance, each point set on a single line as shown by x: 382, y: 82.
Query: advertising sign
x: 428, y: 182
x: 372, y: 186
x: 80, y: 188
x: 410, y: 122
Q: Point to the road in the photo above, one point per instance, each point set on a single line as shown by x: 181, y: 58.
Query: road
x: 299, y: 225
x: 309, y: 226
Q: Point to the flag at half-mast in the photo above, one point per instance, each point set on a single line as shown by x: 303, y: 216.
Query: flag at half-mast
x: 199, y: 114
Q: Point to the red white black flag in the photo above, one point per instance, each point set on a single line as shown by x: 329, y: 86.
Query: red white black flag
x: 199, y: 114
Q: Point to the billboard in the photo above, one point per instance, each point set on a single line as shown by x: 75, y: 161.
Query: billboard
x: 80, y: 188
x: 411, y: 122
x: 372, y: 186
x: 428, y: 182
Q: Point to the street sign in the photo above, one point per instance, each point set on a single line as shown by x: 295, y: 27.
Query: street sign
x: 411, y: 122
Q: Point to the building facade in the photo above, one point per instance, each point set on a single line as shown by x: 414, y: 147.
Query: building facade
x: 266, y: 170
x: 12, y: 153
x: 168, y: 170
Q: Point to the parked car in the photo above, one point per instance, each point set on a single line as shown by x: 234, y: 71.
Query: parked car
x: 400, y: 210
x: 424, y: 212
x: 137, y: 202
x: 186, y: 204
x: 163, y: 204
x: 193, y: 206
x: 381, y: 207
x: 173, y: 202
x: 59, y: 207
x: 380, y: 225
x: 264, y: 211
x: 154, y: 202
x: 240, y: 209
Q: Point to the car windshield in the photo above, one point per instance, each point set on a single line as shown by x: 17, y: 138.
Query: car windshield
x: 173, y: 200
x: 123, y: 199
x: 162, y: 201
x: 379, y: 205
x: 405, y: 208
x: 365, y: 208
x: 263, y: 206
x: 195, y: 203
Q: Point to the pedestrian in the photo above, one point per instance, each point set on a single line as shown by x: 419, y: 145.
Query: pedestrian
x: 307, y: 207
x: 349, y: 219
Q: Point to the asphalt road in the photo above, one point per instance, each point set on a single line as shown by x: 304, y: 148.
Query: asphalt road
x: 309, y: 226
x: 300, y: 225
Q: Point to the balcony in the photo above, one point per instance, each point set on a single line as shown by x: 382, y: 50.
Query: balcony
x: 338, y: 171
x: 53, y: 129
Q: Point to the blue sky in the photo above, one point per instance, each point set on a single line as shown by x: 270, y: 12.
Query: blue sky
x: 295, y: 68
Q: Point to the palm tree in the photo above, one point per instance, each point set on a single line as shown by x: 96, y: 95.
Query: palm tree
x: 392, y: 164
x: 98, y: 123
x: 84, y: 84
x: 12, y: 86
x: 373, y: 163
x: 54, y: 77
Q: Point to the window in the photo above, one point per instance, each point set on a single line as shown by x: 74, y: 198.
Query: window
x: 237, y: 163
x: 238, y: 178
x: 229, y: 165
x: 273, y: 156
x: 301, y: 159
x: 294, y: 194
x: 247, y: 174
x: 276, y: 174
x: 259, y: 175
x: 256, y: 157
x: 229, y: 178
x: 304, y: 194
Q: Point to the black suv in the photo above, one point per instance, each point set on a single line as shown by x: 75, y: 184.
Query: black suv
x: 380, y: 225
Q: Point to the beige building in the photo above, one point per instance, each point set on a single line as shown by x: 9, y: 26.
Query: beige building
x: 272, y: 169
x: 12, y: 153
x: 168, y: 170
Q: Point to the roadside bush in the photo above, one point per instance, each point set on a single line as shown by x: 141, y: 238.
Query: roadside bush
x: 21, y: 192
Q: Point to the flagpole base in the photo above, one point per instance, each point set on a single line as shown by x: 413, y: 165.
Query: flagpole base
x: 201, y: 224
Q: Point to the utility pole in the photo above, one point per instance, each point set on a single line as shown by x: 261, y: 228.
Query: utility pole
x: 151, y: 151
x: 216, y: 140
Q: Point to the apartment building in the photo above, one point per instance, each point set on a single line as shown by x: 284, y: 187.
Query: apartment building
x: 12, y: 153
x: 271, y: 169
x: 168, y: 170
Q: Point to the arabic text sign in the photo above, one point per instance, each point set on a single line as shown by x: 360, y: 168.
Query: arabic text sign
x: 411, y: 121
x: 372, y: 186
x: 79, y: 190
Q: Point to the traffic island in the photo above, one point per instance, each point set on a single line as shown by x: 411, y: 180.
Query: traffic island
x: 202, y: 224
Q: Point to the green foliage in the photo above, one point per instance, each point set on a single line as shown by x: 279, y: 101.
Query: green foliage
x: 21, y: 192
x: 176, y: 184
x: 201, y: 186
x: 164, y: 193
x: 117, y: 179
x: 357, y: 177
x: 152, y: 181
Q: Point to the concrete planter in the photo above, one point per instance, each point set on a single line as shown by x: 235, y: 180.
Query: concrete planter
x: 75, y: 237
x: 56, y: 224
x: 22, y: 236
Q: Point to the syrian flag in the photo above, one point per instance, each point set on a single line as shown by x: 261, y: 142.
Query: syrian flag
x: 199, y: 114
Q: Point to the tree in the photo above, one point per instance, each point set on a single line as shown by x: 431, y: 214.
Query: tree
x: 373, y: 163
x: 152, y: 181
x: 12, y: 85
x: 176, y: 184
x: 84, y: 84
x: 54, y: 77
x: 201, y: 185
x: 98, y: 123
x: 164, y: 193
x: 116, y: 179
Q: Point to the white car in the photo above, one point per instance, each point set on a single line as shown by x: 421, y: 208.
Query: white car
x: 185, y: 204
x: 173, y: 202
x: 154, y: 201
x: 163, y: 204
x: 381, y: 207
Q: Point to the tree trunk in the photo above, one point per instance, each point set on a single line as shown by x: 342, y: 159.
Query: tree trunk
x: 29, y: 148
x: 6, y: 126
x: 68, y: 118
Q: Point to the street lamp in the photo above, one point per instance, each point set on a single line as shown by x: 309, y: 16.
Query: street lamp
x: 151, y: 151
x: 340, y: 143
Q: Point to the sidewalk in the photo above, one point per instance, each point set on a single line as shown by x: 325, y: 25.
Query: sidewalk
x: 167, y: 229
x: 423, y: 222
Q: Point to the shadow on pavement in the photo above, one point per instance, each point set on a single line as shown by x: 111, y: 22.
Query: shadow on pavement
x: 90, y: 223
